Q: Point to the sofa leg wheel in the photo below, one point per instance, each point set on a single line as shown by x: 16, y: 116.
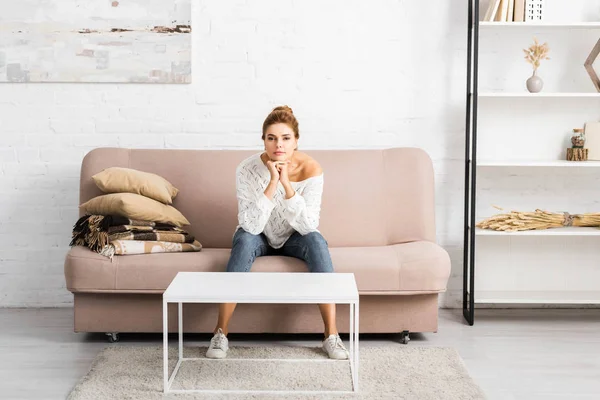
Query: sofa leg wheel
x: 404, y: 337
x: 112, y: 337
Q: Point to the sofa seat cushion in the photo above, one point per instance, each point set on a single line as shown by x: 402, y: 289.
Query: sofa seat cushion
x: 415, y: 267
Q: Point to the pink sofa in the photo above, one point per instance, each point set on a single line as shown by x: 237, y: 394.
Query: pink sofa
x: 377, y: 216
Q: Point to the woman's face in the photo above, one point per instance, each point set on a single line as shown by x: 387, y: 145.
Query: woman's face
x: 280, y: 142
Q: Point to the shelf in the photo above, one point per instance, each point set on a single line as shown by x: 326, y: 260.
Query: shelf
x: 540, y: 95
x: 549, y: 163
x: 539, y: 297
x: 573, y: 25
x: 567, y: 231
x: 519, y: 270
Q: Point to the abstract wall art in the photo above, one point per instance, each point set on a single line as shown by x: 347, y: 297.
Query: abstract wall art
x: 125, y: 41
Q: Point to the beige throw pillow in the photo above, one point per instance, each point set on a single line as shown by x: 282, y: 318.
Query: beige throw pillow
x: 127, y: 180
x: 134, y: 206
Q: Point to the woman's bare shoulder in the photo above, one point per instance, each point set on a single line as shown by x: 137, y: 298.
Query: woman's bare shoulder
x: 310, y: 167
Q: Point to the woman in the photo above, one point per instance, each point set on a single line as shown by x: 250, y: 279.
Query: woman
x: 279, y: 201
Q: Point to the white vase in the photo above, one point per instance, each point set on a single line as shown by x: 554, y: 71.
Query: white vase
x: 535, y: 83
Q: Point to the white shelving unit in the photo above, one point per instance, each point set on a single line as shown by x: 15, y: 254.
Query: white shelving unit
x: 511, y: 25
x: 538, y: 297
x: 542, y: 95
x: 567, y: 231
x: 524, y: 267
x: 540, y: 163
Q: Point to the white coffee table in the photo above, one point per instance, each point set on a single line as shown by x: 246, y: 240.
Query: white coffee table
x: 260, y: 287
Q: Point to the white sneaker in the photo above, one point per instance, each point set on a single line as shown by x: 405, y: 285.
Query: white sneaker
x: 334, y: 348
x: 218, y: 346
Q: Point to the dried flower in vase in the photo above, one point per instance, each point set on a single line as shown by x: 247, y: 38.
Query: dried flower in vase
x: 536, y: 53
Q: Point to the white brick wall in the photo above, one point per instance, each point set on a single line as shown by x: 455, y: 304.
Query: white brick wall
x: 358, y: 75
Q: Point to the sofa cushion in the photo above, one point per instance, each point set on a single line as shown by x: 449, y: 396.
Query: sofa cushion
x: 128, y: 180
x: 134, y: 206
x: 415, y: 267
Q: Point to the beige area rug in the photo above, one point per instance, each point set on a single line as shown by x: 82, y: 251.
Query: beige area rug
x: 388, y: 372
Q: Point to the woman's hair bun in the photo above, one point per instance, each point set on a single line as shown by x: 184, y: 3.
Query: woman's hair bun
x: 281, y: 115
x: 283, y: 108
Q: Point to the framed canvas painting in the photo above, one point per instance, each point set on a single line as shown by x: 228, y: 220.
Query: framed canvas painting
x: 126, y: 41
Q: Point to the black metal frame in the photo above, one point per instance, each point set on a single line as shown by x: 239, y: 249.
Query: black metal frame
x: 470, y: 163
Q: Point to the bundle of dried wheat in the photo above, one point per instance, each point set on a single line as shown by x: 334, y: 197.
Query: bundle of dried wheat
x: 539, y: 219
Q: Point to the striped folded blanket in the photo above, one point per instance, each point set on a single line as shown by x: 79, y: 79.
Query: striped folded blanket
x: 128, y: 247
x: 109, y: 235
x: 163, y: 234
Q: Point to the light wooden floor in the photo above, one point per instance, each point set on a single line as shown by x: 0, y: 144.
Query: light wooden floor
x: 511, y: 354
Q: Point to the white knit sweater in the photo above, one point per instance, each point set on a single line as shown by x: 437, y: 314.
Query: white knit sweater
x: 279, y: 218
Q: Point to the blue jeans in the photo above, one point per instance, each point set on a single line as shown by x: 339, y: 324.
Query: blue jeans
x: 311, y: 248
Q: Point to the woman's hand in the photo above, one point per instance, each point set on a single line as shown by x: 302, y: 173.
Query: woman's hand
x: 283, y: 172
x: 273, y: 170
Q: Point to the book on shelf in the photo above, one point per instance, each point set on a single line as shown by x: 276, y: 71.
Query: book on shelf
x: 534, y: 10
x: 507, y: 10
x: 492, y: 10
x: 503, y: 11
x: 519, y: 12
